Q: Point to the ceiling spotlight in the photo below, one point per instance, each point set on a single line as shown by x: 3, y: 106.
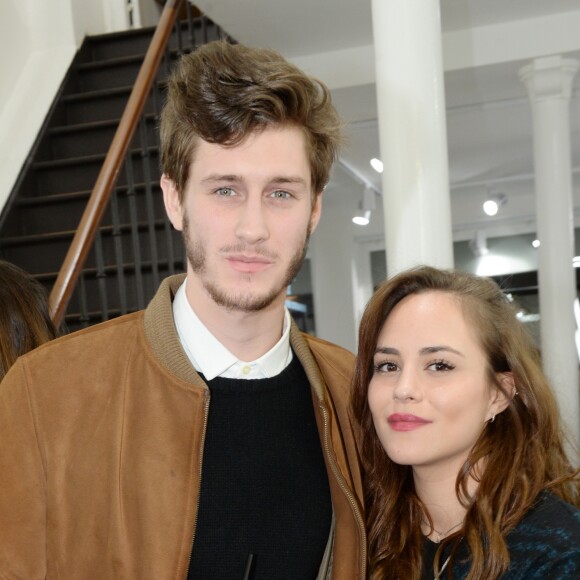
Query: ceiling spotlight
x: 366, y: 205
x: 377, y: 165
x: 491, y: 206
x: 362, y: 217
x: 536, y: 243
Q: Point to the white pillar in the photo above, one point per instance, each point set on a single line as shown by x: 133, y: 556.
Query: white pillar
x: 549, y: 83
x: 331, y: 259
x: 412, y: 133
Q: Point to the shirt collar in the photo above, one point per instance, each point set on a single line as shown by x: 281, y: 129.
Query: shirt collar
x: 211, y: 358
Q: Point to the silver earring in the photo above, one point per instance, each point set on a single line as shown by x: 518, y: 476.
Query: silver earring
x: 492, y: 418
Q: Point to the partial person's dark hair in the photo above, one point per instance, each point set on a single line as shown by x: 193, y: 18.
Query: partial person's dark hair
x: 522, y: 450
x: 25, y: 321
x: 223, y: 92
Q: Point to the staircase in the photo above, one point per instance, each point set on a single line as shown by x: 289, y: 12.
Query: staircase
x: 136, y: 246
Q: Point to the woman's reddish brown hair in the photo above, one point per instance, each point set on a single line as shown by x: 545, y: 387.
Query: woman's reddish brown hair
x: 25, y: 322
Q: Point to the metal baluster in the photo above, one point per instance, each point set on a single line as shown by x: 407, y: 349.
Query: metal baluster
x: 190, y: 26
x: 146, y: 160
x: 118, y: 244
x: 84, y: 317
x: 135, y: 232
x: 204, y: 29
x: 101, y: 276
x: 166, y: 61
x: 177, y: 29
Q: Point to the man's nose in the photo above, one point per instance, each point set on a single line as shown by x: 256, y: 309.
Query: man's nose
x: 252, y: 225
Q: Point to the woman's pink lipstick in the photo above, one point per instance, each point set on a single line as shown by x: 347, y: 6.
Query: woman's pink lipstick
x: 405, y: 422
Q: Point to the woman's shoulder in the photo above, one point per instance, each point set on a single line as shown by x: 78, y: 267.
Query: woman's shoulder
x: 546, y: 542
x: 550, y: 512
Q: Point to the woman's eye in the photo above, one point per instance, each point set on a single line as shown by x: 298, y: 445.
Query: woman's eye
x: 440, y: 365
x: 386, y: 367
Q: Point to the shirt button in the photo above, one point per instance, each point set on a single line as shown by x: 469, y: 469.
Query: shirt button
x: 246, y: 370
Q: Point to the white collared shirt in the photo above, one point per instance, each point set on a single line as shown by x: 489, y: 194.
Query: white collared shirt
x: 211, y: 358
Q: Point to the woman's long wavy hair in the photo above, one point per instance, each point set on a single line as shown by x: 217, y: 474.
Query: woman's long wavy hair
x: 25, y: 321
x: 522, y: 449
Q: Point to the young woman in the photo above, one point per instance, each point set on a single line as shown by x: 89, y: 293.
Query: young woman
x: 465, y: 470
x: 25, y: 322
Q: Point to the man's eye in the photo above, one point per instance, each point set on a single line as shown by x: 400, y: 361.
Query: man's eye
x: 280, y: 194
x: 225, y: 191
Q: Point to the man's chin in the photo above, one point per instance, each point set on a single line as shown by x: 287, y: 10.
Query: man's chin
x: 246, y: 302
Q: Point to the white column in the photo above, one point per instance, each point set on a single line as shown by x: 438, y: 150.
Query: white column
x: 549, y: 83
x: 412, y: 133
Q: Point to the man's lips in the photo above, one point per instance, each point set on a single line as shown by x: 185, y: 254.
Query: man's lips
x: 406, y: 422
x: 248, y: 264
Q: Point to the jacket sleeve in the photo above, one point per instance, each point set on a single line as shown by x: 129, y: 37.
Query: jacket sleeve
x: 22, y: 483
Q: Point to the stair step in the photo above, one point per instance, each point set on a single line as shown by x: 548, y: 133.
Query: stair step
x: 80, y: 173
x: 111, y: 270
x: 94, y: 137
x: 45, y: 252
x: 65, y: 210
x: 101, y: 105
x: 45, y: 237
x: 115, y: 44
x: 136, y: 41
x: 84, y: 195
x: 92, y: 125
x: 109, y: 73
x: 107, y: 290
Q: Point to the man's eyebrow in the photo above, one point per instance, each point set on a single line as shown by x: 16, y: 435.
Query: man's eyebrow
x: 232, y: 178
x: 214, y: 177
x: 279, y: 180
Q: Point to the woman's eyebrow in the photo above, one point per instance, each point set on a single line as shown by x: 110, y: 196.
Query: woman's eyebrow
x: 439, y: 348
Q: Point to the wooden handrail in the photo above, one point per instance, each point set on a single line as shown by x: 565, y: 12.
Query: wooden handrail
x: 85, y: 235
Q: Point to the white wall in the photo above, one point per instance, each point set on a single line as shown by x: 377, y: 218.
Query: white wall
x: 38, y: 40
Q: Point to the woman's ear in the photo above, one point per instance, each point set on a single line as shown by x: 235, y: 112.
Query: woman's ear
x: 501, y: 397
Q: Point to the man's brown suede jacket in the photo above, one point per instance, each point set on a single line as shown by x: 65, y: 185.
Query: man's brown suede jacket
x: 101, y: 445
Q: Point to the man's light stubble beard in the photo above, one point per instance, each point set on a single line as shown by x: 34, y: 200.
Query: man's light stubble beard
x: 243, y: 302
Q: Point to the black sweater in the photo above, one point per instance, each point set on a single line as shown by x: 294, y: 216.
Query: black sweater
x: 545, y: 545
x: 264, y: 487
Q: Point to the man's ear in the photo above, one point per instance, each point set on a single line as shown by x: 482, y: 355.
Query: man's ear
x: 316, y: 212
x: 172, y: 202
x: 501, y: 398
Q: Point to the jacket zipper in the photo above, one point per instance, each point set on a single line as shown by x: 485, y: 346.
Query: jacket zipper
x: 205, y: 417
x: 346, y: 491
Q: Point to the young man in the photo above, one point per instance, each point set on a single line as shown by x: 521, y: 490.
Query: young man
x: 205, y: 437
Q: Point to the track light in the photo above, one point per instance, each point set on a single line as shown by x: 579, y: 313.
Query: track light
x: 492, y: 204
x: 366, y: 206
x: 478, y: 244
x: 362, y: 217
x: 377, y: 165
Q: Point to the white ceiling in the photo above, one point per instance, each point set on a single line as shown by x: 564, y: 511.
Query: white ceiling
x: 489, y: 131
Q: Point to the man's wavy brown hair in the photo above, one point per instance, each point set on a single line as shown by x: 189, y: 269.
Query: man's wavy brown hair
x: 522, y: 449
x: 223, y: 92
